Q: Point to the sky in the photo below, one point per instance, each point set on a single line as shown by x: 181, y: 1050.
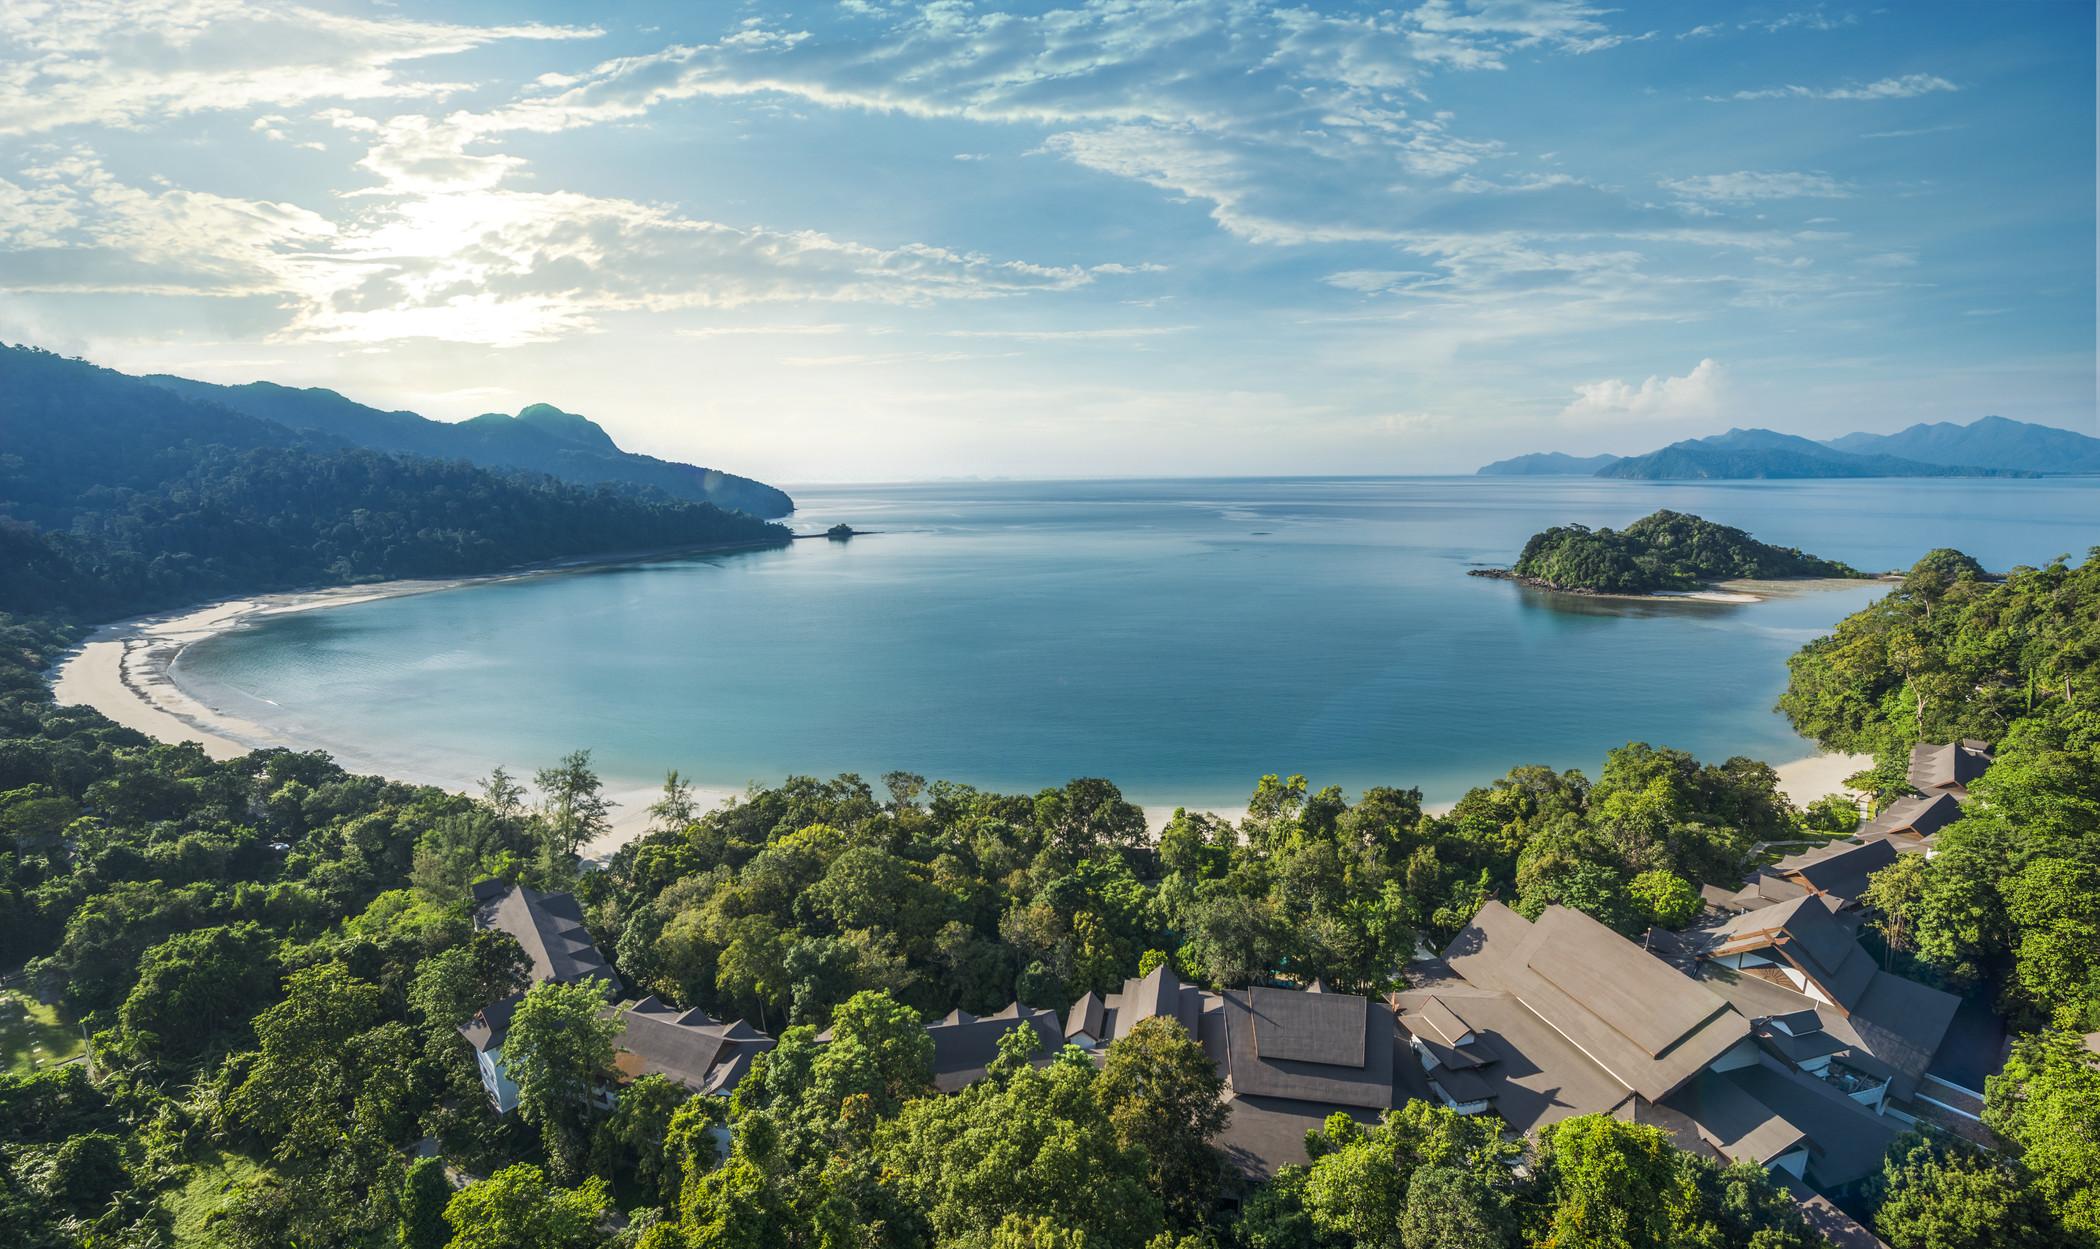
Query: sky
x: 878, y: 241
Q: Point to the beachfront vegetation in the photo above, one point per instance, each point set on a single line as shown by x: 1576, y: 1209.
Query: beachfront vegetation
x: 272, y: 958
x: 117, y: 496
x: 1663, y: 551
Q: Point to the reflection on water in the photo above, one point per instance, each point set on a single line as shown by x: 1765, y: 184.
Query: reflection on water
x: 1014, y: 635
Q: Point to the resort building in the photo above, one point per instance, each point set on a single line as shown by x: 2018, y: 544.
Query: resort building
x: 1289, y: 1057
x: 1914, y: 820
x: 1771, y: 1038
x: 1838, y: 870
x: 549, y: 928
x: 964, y: 1045
x: 1949, y: 768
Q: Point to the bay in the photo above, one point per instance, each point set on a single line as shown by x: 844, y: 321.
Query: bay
x: 1181, y: 637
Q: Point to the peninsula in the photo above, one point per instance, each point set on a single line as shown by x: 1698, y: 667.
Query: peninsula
x: 1662, y: 552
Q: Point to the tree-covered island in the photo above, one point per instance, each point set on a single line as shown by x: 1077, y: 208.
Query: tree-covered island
x: 1662, y: 551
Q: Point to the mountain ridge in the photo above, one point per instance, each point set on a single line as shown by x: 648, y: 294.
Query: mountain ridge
x: 1992, y: 446
x: 541, y: 438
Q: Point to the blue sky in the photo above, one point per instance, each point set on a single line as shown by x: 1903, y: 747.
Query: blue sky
x: 870, y: 240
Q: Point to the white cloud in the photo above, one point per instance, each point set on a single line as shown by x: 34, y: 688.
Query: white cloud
x: 1696, y: 395
x: 133, y: 62
x: 1745, y: 185
x: 1901, y: 88
x: 477, y: 265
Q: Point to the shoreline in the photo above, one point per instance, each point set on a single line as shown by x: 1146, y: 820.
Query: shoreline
x: 123, y: 670
x: 1732, y: 590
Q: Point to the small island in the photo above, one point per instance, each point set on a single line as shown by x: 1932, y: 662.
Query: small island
x: 1661, y: 553
x: 839, y: 532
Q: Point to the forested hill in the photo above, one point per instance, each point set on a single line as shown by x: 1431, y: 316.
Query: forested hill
x: 1664, y: 551
x: 541, y: 439
x: 1991, y: 447
x: 119, y: 496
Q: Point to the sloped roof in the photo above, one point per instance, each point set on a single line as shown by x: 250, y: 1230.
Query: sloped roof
x: 1948, y: 765
x: 1353, y: 1066
x: 1647, y: 1025
x: 548, y: 927
x: 1846, y: 1140
x: 1738, y: 1126
x: 1537, y: 1076
x: 1923, y: 816
x: 965, y: 1044
x: 686, y: 1046
x: 1840, y: 868
x: 1312, y: 1026
x: 1087, y: 1017
x: 1807, y: 933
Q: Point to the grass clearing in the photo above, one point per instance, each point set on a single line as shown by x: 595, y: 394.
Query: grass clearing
x: 209, y: 1192
x: 34, y: 1036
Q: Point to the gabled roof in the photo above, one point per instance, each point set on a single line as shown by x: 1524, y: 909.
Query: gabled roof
x: 1839, y: 869
x: 1531, y: 1074
x: 548, y: 927
x: 1846, y: 1140
x: 965, y: 1044
x: 1948, y: 765
x: 1920, y: 816
x: 1627, y: 1011
x: 687, y: 1046
x: 1738, y: 1126
x: 1087, y: 1017
x: 1335, y: 1048
x: 1807, y: 934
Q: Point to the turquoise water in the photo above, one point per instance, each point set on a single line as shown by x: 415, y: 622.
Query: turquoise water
x: 1180, y: 637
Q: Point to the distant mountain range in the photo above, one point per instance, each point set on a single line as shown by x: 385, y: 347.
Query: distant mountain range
x: 1990, y: 447
x: 539, y: 439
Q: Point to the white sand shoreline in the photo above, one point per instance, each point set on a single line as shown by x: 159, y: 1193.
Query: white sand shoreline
x: 123, y: 670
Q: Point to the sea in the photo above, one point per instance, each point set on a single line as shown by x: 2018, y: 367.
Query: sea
x: 1178, y: 637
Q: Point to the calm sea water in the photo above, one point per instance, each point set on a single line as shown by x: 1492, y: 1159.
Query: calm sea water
x: 1180, y: 637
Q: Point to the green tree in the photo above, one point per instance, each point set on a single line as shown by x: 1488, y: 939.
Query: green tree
x: 198, y: 989
x: 1664, y: 898
x: 558, y: 1050
x: 1448, y: 1208
x: 676, y: 807
x: 631, y: 1141
x: 1164, y: 1096
x: 573, y: 806
x: 518, y: 1208
x: 301, y: 1088
x: 2046, y: 1101
x: 424, y: 1194
x: 1943, y: 1194
x: 1896, y: 897
x: 1613, y: 1185
x: 1033, y: 1142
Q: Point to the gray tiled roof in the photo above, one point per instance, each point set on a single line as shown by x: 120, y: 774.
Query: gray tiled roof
x: 1627, y: 1011
x: 964, y: 1044
x: 1921, y: 816
x: 1807, y: 934
x: 1948, y: 765
x: 1846, y: 1140
x: 1312, y: 1026
x: 1840, y: 868
x: 687, y: 1046
x: 548, y: 927
x: 1738, y: 1126
x: 1360, y: 1072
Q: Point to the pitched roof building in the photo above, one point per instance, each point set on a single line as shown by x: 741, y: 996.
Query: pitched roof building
x: 548, y: 927
x: 1541, y: 1021
x: 1949, y: 767
x: 1915, y: 819
x: 1288, y: 1057
x: 691, y: 1047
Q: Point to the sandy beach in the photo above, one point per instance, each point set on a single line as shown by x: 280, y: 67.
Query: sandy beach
x: 123, y: 671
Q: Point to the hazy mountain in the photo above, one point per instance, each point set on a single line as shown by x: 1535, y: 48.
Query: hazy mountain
x: 1993, y: 442
x: 541, y: 439
x: 1549, y: 464
x: 1752, y: 453
x: 1991, y: 447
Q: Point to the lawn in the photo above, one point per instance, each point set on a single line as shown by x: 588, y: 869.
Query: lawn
x: 32, y: 1035
x: 209, y: 1192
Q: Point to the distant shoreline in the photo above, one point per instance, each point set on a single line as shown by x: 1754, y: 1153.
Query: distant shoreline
x: 1734, y: 590
x: 124, y: 670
